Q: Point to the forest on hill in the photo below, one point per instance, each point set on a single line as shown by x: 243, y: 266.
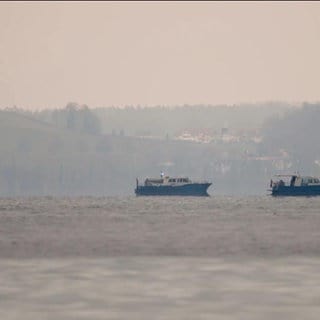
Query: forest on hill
x: 77, y: 150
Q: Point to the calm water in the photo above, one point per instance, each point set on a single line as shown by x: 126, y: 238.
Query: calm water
x: 160, y: 258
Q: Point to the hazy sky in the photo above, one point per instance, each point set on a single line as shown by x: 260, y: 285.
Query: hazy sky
x: 150, y: 53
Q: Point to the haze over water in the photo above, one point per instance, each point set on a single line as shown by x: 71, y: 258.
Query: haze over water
x: 122, y: 257
x: 159, y: 258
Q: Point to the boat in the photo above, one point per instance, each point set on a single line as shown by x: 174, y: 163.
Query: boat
x: 172, y: 186
x: 295, y: 185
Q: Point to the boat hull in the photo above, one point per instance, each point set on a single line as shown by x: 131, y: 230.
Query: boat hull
x: 194, y: 189
x: 296, y: 191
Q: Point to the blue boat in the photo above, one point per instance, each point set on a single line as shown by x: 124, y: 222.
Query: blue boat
x: 169, y: 186
x: 295, y: 185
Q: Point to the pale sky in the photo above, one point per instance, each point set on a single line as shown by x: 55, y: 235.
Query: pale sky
x: 158, y: 53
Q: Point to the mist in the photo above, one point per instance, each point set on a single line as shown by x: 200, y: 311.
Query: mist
x: 158, y: 53
x: 96, y: 94
x: 78, y: 150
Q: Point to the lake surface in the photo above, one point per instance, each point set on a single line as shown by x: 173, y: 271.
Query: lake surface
x: 160, y: 258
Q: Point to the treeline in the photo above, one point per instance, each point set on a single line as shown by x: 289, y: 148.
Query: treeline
x: 74, y: 117
x: 158, y: 121
x: 171, y: 120
x: 72, y: 151
x: 296, y: 133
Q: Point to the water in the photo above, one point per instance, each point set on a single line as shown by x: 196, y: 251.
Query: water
x: 160, y: 258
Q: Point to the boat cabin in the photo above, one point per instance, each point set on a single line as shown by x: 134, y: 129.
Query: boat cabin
x: 167, y: 181
x: 294, y: 181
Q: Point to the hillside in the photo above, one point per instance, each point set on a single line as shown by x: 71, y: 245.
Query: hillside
x: 43, y: 157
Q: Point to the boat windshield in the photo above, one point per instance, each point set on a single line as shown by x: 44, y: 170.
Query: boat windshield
x: 310, y: 180
x: 178, y: 180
